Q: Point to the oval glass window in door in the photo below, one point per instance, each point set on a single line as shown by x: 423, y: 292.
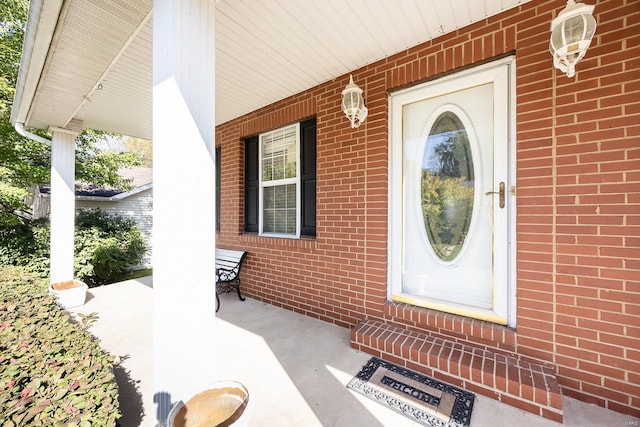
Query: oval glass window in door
x: 447, y: 186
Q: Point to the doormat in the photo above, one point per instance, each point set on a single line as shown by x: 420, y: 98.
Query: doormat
x: 421, y: 398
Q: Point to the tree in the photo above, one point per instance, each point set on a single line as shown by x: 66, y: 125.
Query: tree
x: 24, y: 163
x: 141, y: 146
x: 16, y: 153
x: 13, y: 17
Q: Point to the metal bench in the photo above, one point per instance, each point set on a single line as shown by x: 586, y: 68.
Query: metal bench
x: 228, y: 263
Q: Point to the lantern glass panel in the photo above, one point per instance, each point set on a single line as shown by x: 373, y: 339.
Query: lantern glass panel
x: 574, y: 29
x: 351, y: 101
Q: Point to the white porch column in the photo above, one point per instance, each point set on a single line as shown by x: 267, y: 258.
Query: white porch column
x: 62, y: 217
x: 183, y: 198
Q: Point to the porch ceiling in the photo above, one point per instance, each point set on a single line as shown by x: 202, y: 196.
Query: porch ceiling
x: 92, y: 59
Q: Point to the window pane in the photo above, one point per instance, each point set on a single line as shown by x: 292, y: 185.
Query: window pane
x: 267, y: 199
x: 267, y: 170
x: 280, y: 201
x: 279, y: 214
x: 279, y: 156
x: 291, y: 163
x: 268, y: 226
x: 278, y: 167
x: 447, y: 186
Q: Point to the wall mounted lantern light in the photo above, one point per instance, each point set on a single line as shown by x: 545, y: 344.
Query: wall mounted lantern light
x: 571, y: 34
x: 353, y: 104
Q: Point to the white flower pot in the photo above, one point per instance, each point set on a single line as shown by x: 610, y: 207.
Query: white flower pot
x: 69, y: 295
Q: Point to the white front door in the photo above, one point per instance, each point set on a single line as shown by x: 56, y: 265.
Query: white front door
x: 450, y: 198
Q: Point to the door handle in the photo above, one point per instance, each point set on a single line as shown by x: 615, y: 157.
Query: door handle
x: 500, y: 193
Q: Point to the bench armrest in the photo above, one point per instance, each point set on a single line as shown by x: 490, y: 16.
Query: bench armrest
x: 225, y: 275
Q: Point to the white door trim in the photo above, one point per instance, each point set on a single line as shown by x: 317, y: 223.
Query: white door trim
x: 504, y: 310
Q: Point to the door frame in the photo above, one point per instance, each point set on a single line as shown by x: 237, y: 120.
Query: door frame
x: 396, y: 196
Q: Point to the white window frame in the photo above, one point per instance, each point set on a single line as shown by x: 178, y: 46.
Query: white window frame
x: 280, y: 182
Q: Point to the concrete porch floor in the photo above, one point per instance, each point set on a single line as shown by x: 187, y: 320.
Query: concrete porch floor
x: 295, y: 367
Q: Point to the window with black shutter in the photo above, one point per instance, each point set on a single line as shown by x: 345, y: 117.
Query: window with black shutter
x: 280, y: 181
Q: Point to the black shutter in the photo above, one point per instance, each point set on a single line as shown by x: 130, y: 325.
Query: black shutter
x: 251, y: 185
x: 218, y: 187
x: 308, y: 177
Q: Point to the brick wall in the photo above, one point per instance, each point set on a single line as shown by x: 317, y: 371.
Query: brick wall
x: 578, y: 201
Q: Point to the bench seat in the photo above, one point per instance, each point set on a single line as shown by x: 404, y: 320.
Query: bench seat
x: 228, y: 264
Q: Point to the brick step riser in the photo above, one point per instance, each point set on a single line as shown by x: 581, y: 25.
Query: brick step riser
x: 527, y: 386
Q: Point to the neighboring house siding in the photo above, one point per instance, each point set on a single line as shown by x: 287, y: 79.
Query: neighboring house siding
x: 578, y: 201
x: 138, y: 207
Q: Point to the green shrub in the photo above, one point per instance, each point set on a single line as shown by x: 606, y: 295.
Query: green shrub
x: 26, y: 243
x: 38, y: 260
x: 106, y: 247
x: 52, y: 372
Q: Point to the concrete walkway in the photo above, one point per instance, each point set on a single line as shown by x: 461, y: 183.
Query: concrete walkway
x: 295, y: 367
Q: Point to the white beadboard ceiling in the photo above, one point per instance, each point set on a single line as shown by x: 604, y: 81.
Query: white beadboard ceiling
x: 98, y: 66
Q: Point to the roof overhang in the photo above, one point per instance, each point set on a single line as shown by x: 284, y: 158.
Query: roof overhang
x: 91, y: 61
x: 41, y: 24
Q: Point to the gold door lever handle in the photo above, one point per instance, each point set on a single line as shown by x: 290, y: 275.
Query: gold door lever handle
x: 500, y: 193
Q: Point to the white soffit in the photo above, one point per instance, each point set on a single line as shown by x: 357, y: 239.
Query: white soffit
x: 89, y: 38
x: 270, y: 49
x: 100, y: 67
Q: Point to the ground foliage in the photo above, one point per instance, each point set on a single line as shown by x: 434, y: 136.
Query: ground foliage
x: 52, y: 371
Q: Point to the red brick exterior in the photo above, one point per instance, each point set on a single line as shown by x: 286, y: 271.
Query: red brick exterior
x: 578, y: 201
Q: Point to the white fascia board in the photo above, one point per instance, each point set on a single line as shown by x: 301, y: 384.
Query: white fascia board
x: 41, y: 26
x: 132, y: 192
x: 119, y: 196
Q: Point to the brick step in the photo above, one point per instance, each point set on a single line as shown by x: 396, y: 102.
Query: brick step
x: 527, y: 386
